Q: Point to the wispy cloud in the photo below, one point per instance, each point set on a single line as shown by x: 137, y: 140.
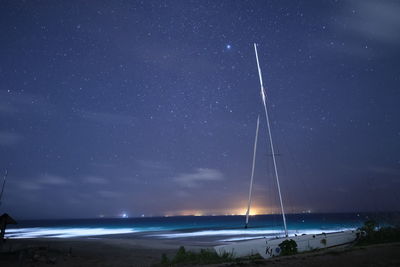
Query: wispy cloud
x: 109, y: 194
x: 376, y: 20
x: 9, y: 139
x: 7, y: 108
x: 40, y: 182
x: 29, y: 186
x: 154, y: 165
x: 361, y: 26
x: 48, y: 179
x: 94, y: 180
x: 12, y: 102
x: 385, y: 170
x: 199, y: 176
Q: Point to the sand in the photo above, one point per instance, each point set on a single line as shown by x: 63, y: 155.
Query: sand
x: 147, y: 252
x: 84, y: 252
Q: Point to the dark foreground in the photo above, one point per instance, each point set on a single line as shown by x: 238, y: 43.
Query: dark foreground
x: 385, y: 255
x: 119, y: 252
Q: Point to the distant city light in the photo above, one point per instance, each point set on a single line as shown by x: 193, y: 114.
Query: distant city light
x: 124, y: 215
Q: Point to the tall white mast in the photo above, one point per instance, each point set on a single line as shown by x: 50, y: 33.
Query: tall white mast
x: 263, y: 96
x: 252, y: 173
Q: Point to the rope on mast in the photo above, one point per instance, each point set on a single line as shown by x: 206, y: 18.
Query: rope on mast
x: 252, y: 173
x: 4, y: 183
x: 263, y: 96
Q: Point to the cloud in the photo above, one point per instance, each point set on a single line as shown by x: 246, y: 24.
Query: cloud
x: 182, y: 194
x: 154, y: 165
x: 48, y: 179
x: 30, y: 186
x: 109, y: 194
x: 102, y: 164
x: 7, y: 108
x: 199, y: 176
x: 149, y: 168
x: 38, y: 183
x: 13, y: 103
x: 385, y: 170
x: 360, y: 28
x: 94, y: 180
x: 9, y: 139
x: 377, y: 20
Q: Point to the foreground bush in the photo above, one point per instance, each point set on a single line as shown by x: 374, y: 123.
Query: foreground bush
x: 205, y: 256
x: 288, y: 247
x: 376, y: 234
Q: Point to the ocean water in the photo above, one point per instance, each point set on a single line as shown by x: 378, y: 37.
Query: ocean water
x: 210, y: 228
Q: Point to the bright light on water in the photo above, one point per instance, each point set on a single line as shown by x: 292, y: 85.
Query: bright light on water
x: 236, y: 234
x: 64, y: 232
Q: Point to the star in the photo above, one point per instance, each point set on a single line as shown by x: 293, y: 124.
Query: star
x: 228, y: 46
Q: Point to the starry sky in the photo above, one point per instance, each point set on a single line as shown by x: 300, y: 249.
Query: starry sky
x: 150, y: 107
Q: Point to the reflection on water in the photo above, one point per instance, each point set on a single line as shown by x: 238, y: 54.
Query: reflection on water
x: 233, y: 234
x: 64, y: 232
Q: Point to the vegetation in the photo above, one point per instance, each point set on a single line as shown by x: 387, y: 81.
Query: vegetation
x: 288, y: 247
x: 205, y: 256
x: 376, y: 234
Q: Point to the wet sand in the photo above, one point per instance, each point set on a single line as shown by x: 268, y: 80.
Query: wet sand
x: 147, y: 252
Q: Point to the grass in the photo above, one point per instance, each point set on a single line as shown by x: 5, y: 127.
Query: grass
x: 379, y: 235
x: 205, y: 256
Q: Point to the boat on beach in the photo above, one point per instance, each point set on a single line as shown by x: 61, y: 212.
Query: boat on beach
x: 270, y: 247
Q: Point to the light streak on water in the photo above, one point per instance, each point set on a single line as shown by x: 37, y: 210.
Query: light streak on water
x: 233, y: 234
x: 39, y: 232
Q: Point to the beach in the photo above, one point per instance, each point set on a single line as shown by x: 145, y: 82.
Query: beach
x: 84, y: 252
x: 143, y: 241
x: 148, y: 252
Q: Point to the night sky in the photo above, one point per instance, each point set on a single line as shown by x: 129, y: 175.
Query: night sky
x: 150, y: 107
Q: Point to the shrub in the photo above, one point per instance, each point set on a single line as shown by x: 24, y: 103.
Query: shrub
x: 288, y: 247
x: 377, y: 235
x: 369, y: 227
x: 205, y: 256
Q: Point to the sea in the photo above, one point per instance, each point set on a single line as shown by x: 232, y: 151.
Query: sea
x: 207, y: 228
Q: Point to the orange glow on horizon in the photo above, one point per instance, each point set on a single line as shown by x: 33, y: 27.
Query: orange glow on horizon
x: 230, y: 212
